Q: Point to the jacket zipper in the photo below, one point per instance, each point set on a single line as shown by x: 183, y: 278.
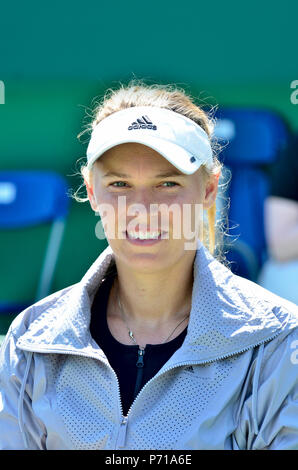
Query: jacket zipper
x: 120, y: 443
x: 140, y: 367
x: 121, y: 437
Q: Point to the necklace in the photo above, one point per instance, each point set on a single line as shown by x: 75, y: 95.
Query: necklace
x: 130, y: 333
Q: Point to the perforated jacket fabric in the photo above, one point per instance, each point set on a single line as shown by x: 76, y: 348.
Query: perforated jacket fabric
x: 233, y: 384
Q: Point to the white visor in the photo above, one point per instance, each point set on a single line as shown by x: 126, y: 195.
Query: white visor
x: 177, y: 138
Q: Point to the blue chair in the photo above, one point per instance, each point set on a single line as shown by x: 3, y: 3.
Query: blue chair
x: 27, y: 199
x: 252, y: 140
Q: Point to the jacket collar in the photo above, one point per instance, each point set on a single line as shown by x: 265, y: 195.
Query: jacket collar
x: 229, y: 314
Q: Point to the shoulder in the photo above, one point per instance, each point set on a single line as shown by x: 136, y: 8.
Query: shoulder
x: 257, y: 305
x: 261, y: 299
x: 247, y: 299
x: 23, y: 320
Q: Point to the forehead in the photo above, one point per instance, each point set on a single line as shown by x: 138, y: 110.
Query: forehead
x: 132, y: 156
x: 134, y: 160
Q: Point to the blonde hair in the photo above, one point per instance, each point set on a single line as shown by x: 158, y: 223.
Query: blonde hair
x: 137, y: 93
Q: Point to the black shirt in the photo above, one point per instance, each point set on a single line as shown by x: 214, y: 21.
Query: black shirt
x: 123, y: 358
x: 284, y: 173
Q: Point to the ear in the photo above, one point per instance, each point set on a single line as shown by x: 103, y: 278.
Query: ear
x: 211, y: 190
x: 90, y: 194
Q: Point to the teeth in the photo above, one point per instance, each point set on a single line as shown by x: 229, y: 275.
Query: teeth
x: 143, y: 235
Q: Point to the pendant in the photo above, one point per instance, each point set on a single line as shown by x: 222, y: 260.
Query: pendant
x: 130, y: 333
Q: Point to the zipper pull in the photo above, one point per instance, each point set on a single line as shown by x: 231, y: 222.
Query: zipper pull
x: 140, y: 361
x: 122, y: 433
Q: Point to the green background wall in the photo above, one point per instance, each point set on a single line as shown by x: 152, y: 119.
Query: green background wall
x: 55, y: 58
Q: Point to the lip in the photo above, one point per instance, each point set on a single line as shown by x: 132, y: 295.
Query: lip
x: 149, y: 242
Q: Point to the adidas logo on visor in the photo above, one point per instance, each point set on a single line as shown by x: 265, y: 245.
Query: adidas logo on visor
x: 142, y: 123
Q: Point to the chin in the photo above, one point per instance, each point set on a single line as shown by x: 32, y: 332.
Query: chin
x: 150, y: 262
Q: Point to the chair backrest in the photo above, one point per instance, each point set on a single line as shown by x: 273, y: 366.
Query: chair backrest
x: 252, y: 139
x: 29, y: 198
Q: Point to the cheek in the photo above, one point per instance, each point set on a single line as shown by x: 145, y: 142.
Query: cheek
x: 193, y: 211
x: 106, y: 201
x: 107, y: 208
x: 184, y: 212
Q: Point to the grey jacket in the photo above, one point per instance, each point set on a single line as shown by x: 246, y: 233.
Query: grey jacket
x: 233, y: 384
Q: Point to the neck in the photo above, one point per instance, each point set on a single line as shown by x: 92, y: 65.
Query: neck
x: 155, y: 299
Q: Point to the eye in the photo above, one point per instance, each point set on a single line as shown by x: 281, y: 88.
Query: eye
x: 170, y: 183
x: 116, y: 183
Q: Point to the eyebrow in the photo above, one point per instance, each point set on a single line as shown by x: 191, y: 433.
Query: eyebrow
x: 166, y: 174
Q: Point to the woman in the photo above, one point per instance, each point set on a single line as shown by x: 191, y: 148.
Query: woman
x: 160, y: 345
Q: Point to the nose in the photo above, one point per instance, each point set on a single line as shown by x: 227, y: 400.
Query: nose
x: 143, y: 208
x: 143, y: 197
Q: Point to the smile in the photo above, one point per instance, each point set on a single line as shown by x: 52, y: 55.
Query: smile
x: 143, y: 235
x: 144, y: 238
